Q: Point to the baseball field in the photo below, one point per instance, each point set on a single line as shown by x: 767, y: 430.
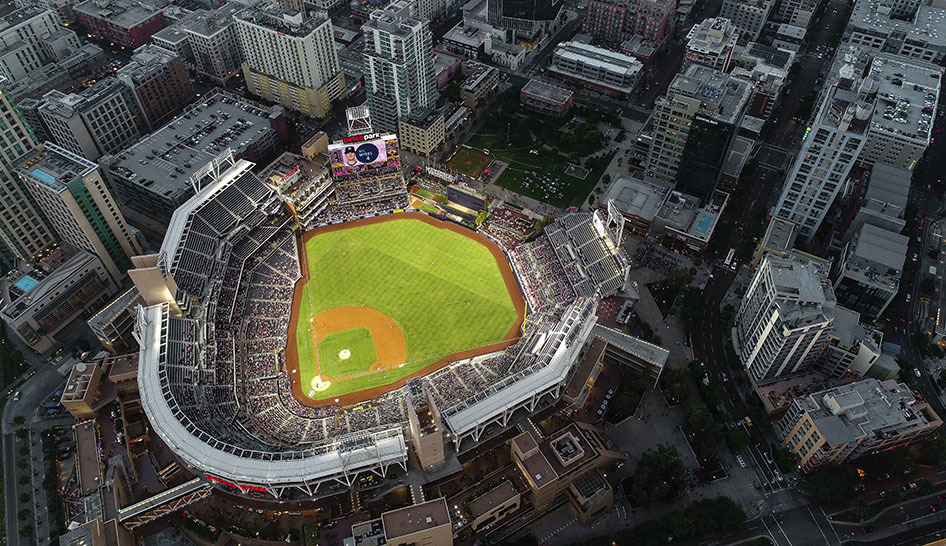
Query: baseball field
x: 386, y: 299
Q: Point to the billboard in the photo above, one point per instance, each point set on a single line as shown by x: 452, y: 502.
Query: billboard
x: 362, y: 153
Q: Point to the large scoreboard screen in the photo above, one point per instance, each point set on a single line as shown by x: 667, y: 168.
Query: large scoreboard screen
x: 362, y: 153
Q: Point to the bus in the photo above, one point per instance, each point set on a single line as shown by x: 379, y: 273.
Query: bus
x: 732, y: 252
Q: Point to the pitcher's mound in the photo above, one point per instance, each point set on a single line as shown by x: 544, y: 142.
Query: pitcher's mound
x: 344, y: 354
x: 320, y: 383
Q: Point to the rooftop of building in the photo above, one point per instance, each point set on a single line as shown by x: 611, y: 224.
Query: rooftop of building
x: 415, y: 519
x: 604, y: 59
x: 164, y: 161
x: 653, y: 355
x: 713, y: 35
x: 498, y: 47
x: 683, y: 213
x: 888, y: 190
x: 779, y: 235
x: 20, y: 16
x: 281, y: 19
x: 445, y: 61
x: 468, y: 36
x: 208, y: 23
x: 125, y: 14
x: 768, y: 56
x: 53, y: 167
x: 849, y: 331
x: 65, y: 106
x: 876, y: 256
x: 73, y: 260
x: 547, y: 91
x: 636, y: 197
x: 928, y: 24
x: 41, y: 78
x: 394, y: 20
x: 476, y: 74
x: 791, y: 31
x: 722, y: 97
x: 145, y: 62
x: 798, y: 281
x: 496, y: 496
x: 114, y: 308
x: 865, y: 408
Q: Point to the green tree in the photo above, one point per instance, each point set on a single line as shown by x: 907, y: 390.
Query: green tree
x: 26, y: 531
x: 892, y: 496
x: 23, y: 480
x: 675, y: 385
x: 678, y: 525
x: 19, y: 420
x: 657, y: 475
x: 862, y: 509
x: 933, y: 451
x: 717, y: 514
x: 785, y: 459
x: 925, y: 487
x: 737, y: 439
x: 832, y: 484
x: 25, y: 498
x: 21, y: 463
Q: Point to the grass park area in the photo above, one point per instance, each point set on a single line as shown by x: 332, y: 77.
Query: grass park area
x: 537, y: 151
x: 443, y: 290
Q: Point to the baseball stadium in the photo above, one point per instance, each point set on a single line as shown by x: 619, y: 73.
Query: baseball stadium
x: 295, y: 332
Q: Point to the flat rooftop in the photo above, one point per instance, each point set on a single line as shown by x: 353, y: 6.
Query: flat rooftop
x: 713, y: 35
x: 87, y: 456
x: 600, y: 58
x: 770, y: 56
x: 283, y: 20
x: 54, y: 167
x: 164, y: 161
x: 414, y: 519
x: 147, y: 60
x: 125, y: 14
x: 889, y: 188
x: 928, y: 25
x: 722, y: 97
x: 20, y: 16
x: 68, y: 105
x: 876, y: 256
x: 635, y: 197
x: 797, y: 281
x: 492, y: 498
x: 866, y: 408
x: 547, y: 91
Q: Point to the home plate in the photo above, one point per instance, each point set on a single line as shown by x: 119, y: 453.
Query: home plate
x: 320, y: 383
x: 344, y: 354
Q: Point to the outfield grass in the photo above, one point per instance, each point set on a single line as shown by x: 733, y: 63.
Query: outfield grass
x: 444, y: 290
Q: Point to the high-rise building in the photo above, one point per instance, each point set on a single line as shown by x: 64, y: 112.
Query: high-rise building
x: 159, y: 84
x: 766, y: 69
x: 783, y: 321
x: 907, y: 92
x: 31, y: 37
x: 870, y: 270
x: 708, y: 105
x: 914, y: 29
x: 711, y: 43
x: 399, y: 67
x: 207, y: 42
x: 102, y: 119
x: 70, y: 189
x: 289, y: 59
x: 596, y: 68
x: 23, y: 227
x: 834, y: 139
x: 748, y: 16
x: 846, y: 422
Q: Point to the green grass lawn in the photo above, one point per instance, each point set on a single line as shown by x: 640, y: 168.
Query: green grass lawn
x: 443, y: 289
x: 468, y: 162
x: 357, y: 341
x: 525, y: 171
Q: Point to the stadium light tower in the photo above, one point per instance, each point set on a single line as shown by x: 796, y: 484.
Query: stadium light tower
x: 359, y: 120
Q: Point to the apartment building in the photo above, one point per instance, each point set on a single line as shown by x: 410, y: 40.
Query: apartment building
x: 70, y: 189
x: 101, y: 119
x: 613, y: 22
x: 207, y: 42
x: 915, y: 30
x: 24, y: 229
x: 748, y: 16
x: 289, y: 59
x: 869, y: 273
x: 399, y: 69
x: 711, y: 43
x: 31, y: 37
x: 545, y: 98
x: 159, y: 83
x: 841, y: 424
x: 128, y: 23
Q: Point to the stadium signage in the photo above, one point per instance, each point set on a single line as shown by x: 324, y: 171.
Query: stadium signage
x: 361, y: 138
x: 437, y: 173
x: 235, y: 486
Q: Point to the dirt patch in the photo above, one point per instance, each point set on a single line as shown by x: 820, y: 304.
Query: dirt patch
x: 292, y: 354
x: 389, y: 345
